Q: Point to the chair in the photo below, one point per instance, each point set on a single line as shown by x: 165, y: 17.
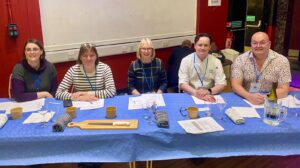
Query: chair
x: 9, y: 86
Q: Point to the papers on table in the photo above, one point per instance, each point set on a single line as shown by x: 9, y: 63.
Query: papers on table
x: 83, y: 105
x: 201, y: 125
x: 254, y: 106
x: 27, y: 106
x: 145, y: 100
x: 42, y: 116
x: 217, y: 97
x: 290, y: 102
x: 246, y: 112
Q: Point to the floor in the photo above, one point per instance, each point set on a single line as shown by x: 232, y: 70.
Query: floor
x: 228, y: 162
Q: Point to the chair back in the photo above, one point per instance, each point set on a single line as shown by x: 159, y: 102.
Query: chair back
x: 9, y: 86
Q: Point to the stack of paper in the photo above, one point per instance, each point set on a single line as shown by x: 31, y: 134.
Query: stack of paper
x: 201, y: 125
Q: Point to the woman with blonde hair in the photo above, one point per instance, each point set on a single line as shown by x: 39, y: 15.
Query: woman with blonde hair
x: 146, y: 74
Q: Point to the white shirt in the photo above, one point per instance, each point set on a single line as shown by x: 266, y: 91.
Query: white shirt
x: 210, y: 71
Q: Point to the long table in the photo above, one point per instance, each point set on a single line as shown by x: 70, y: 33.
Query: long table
x: 26, y: 144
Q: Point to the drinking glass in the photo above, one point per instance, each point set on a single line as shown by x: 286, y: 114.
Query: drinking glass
x: 296, y: 102
x: 221, y: 105
x: 151, y: 108
x: 51, y: 109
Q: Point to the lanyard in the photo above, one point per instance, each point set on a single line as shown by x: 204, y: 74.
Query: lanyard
x: 199, y: 77
x: 258, y: 73
x: 87, y: 78
x: 36, y: 81
x: 149, y: 83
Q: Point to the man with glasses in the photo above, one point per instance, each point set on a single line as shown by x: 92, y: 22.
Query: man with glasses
x: 254, y: 72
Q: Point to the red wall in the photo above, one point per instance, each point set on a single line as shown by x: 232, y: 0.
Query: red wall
x: 26, y: 15
x: 294, y: 42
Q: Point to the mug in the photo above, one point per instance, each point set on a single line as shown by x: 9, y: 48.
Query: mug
x: 16, y: 113
x: 192, y: 111
x: 111, y: 112
x: 274, y: 113
x: 71, y: 111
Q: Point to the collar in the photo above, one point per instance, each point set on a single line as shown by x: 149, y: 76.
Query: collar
x: 43, y: 64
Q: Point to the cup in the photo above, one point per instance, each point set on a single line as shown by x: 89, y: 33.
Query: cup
x: 16, y: 113
x: 274, y: 113
x: 192, y: 112
x: 111, y: 112
x: 71, y: 111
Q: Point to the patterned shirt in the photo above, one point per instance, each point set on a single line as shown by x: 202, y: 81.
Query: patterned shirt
x: 201, y: 74
x: 276, y: 69
x: 100, y: 83
x: 147, y: 77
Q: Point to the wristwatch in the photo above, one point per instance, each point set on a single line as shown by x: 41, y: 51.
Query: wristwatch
x: 209, y: 90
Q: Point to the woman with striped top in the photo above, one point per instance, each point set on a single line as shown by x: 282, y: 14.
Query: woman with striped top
x: 90, y: 79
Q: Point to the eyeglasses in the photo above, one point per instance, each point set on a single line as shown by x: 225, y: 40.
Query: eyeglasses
x: 260, y: 43
x: 32, y: 49
x: 146, y: 49
x: 88, y: 45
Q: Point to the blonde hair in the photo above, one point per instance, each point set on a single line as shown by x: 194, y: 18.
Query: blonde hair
x: 145, y: 41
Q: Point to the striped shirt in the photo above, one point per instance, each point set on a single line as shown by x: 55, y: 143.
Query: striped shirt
x: 100, y: 83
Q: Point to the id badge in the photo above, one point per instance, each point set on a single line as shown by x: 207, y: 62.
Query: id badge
x: 254, y: 87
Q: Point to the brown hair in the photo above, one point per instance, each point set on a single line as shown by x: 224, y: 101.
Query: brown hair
x: 85, y: 48
x: 39, y: 44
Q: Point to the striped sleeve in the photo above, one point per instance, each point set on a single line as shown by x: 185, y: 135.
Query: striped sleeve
x: 62, y: 92
x: 106, y: 86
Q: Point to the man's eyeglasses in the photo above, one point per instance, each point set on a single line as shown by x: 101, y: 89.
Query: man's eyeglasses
x: 260, y: 43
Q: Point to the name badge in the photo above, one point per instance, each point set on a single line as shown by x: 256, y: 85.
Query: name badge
x: 254, y: 87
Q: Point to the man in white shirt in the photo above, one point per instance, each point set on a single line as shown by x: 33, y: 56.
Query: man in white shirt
x: 201, y: 74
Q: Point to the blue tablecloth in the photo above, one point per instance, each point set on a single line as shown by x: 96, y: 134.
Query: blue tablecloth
x: 25, y: 144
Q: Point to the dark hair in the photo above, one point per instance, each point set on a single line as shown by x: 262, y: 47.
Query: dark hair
x: 39, y: 44
x: 87, y: 47
x: 203, y: 35
x: 186, y: 43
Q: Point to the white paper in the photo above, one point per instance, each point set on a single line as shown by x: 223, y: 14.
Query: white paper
x: 217, y: 97
x: 84, y: 105
x: 145, y: 100
x: 203, y: 109
x: 254, y: 106
x: 246, y: 112
x: 27, y: 106
x: 290, y: 102
x: 201, y: 125
x: 42, y: 116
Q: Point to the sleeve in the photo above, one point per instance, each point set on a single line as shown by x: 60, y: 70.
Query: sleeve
x: 236, y: 68
x: 220, y: 78
x: 162, y: 77
x: 18, y: 85
x: 183, y: 73
x: 285, y: 71
x: 131, y: 78
x: 62, y: 91
x: 109, y: 85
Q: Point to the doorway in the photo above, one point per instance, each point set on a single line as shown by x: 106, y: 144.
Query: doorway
x: 245, y: 17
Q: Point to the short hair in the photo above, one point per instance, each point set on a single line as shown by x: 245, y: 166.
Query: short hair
x: 143, y: 42
x: 39, y: 44
x: 198, y: 36
x: 186, y: 43
x: 85, y: 48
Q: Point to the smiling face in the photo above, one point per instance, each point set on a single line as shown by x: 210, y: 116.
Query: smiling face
x: 146, y: 53
x: 260, y: 44
x: 33, y: 54
x: 88, y: 58
x: 202, y: 47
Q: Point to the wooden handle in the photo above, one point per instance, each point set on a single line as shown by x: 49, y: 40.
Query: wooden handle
x: 73, y: 124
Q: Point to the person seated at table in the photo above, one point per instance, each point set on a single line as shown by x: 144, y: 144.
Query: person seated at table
x: 201, y: 74
x: 90, y: 78
x: 33, y: 77
x: 146, y: 74
x: 174, y: 63
x: 253, y: 72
